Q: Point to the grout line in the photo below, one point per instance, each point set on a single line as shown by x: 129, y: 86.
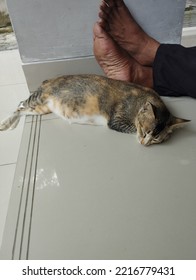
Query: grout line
x: 13, y: 84
x: 7, y: 164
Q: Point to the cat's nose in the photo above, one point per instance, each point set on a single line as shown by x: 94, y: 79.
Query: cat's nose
x: 144, y: 142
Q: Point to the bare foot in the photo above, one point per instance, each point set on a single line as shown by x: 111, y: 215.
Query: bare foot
x: 119, y: 23
x: 116, y: 63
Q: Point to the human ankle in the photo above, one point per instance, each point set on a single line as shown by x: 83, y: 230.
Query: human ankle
x: 146, y: 52
x: 143, y: 76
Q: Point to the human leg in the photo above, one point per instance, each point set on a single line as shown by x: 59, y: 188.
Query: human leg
x: 174, y: 70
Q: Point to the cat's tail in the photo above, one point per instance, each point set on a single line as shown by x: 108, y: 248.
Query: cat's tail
x: 34, y: 105
x: 24, y: 108
x: 11, y: 122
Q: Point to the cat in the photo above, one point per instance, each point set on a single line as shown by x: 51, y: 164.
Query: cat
x: 93, y: 99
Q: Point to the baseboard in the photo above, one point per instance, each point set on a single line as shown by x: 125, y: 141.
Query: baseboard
x: 37, y: 72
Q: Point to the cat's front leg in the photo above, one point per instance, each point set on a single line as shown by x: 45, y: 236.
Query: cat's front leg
x: 120, y: 124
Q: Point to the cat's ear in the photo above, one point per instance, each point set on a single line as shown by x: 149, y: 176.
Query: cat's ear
x: 147, y: 108
x: 177, y: 123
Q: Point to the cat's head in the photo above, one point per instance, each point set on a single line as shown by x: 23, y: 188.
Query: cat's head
x: 154, y: 125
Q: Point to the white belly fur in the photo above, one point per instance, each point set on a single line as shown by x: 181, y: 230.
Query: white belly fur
x: 92, y: 120
x: 84, y: 119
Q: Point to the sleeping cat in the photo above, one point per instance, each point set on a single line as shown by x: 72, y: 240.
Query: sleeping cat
x: 92, y: 99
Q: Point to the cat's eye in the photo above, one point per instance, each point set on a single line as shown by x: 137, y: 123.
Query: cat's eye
x: 146, y: 133
x: 156, y: 137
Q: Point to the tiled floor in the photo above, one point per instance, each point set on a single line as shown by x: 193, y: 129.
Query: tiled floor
x: 13, y: 89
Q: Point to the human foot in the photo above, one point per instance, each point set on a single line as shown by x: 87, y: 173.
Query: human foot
x: 116, y: 63
x: 119, y: 23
